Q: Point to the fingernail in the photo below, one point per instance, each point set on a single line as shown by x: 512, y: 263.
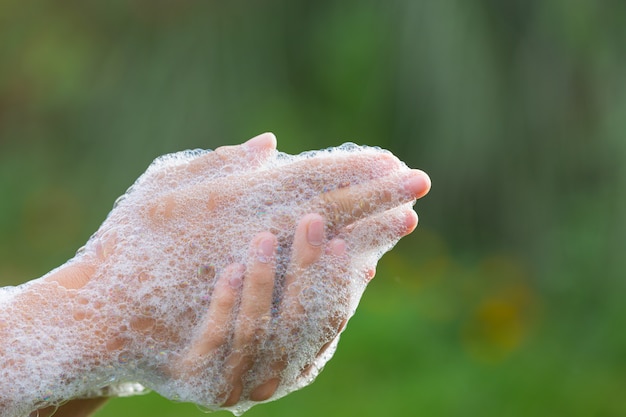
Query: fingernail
x: 236, y: 279
x: 315, y: 232
x: 235, y: 282
x: 266, y: 250
x: 337, y: 247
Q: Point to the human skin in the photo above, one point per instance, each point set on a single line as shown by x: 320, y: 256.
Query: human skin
x: 252, y: 282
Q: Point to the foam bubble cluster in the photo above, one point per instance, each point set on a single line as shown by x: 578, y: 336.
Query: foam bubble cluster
x: 158, y: 256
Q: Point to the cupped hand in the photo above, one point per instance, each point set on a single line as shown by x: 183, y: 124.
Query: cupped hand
x: 178, y: 297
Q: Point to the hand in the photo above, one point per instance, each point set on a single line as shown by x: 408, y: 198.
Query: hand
x: 162, y: 256
x: 257, y: 357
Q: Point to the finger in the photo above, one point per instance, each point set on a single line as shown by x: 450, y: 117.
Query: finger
x: 337, y: 263
x: 308, y: 177
x: 339, y: 259
x: 365, y: 164
x: 216, y: 323
x: 265, y: 390
x: 254, y: 312
x: 307, y: 249
x: 328, y: 171
x: 173, y: 171
x: 380, y: 231
x: 308, y: 240
x: 346, y: 205
x: 244, y: 157
x: 365, y: 236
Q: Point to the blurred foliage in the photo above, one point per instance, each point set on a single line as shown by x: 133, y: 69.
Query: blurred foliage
x: 507, y: 300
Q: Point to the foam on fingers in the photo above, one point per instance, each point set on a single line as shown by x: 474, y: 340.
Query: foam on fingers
x: 214, y: 332
x: 167, y: 288
x: 261, y: 144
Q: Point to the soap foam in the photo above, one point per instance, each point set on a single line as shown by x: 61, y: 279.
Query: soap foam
x: 160, y: 255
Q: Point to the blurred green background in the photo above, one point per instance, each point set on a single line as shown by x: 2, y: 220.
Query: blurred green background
x: 506, y: 301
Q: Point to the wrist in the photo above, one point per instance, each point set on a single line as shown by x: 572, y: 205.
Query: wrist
x: 44, y: 349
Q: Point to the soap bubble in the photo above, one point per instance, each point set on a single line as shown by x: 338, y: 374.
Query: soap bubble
x: 160, y: 255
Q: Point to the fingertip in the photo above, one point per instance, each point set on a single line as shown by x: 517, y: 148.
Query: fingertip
x: 427, y: 182
x: 315, y: 229
x: 265, y: 246
x: 234, y: 396
x: 261, y: 143
x: 265, y: 391
x: 417, y: 183
x: 337, y: 247
x: 308, y: 240
x: 233, y: 275
x: 410, y: 222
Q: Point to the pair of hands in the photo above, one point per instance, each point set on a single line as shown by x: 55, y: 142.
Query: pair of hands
x: 203, y: 325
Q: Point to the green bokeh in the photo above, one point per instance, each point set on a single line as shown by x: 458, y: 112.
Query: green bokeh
x: 507, y: 300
